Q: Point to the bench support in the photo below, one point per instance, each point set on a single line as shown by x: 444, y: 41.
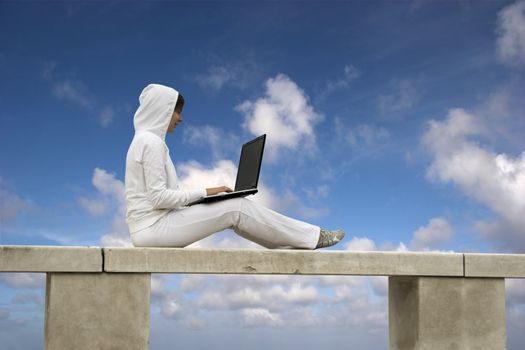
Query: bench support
x: 446, y: 313
x: 97, y: 311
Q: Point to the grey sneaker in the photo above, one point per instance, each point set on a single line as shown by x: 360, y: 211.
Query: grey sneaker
x: 329, y: 238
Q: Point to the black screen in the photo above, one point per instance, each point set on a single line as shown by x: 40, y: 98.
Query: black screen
x: 250, y: 164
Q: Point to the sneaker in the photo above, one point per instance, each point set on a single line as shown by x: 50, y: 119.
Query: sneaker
x: 329, y: 238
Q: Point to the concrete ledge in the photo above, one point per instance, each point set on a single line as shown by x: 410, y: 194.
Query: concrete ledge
x: 236, y: 261
x: 50, y: 259
x: 495, y: 265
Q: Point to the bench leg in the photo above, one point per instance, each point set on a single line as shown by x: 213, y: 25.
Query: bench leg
x: 427, y: 313
x: 97, y: 311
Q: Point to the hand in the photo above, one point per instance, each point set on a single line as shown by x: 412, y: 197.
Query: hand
x: 214, y: 190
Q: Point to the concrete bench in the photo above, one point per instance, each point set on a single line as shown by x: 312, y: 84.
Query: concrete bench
x: 99, y: 298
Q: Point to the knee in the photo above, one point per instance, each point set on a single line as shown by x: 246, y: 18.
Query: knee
x: 235, y: 209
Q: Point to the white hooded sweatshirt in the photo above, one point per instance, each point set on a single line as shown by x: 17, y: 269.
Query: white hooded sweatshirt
x: 151, y: 182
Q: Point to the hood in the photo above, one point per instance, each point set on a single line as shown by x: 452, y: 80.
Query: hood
x: 157, y: 103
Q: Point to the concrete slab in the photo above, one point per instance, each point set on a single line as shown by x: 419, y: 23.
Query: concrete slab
x: 446, y: 313
x: 15, y: 258
x: 237, y: 261
x: 86, y: 311
x: 495, y: 265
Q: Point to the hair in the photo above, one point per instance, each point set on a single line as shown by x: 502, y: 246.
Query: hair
x: 180, y: 103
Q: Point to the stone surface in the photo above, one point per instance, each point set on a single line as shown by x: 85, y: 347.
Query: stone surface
x: 97, y: 311
x: 440, y: 313
x: 495, y: 265
x: 236, y: 261
x: 50, y: 258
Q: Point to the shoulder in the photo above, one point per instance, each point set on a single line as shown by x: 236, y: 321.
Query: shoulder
x: 149, y: 139
x: 150, y: 143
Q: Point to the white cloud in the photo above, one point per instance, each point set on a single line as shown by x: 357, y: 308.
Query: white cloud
x: 350, y: 74
x: 260, y: 317
x: 76, y: 91
x: 495, y: 180
x: 94, y: 206
x: 404, y: 96
x: 72, y: 90
x: 290, y: 201
x: 23, y: 280
x: 220, y: 142
x: 216, y: 77
x: 195, y: 175
x: 238, y: 74
x: 511, y: 34
x: 320, y: 191
x: 362, y: 135
x: 11, y: 204
x: 360, y: 244
x: 192, y: 174
x: 436, y: 232
x: 285, y: 115
x: 110, y: 199
x: 107, y: 114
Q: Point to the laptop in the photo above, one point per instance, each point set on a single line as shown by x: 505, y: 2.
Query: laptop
x: 247, y: 173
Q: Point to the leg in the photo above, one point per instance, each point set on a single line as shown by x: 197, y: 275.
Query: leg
x: 180, y: 228
x: 273, y: 230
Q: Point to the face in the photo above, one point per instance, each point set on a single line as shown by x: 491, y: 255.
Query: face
x: 176, y: 118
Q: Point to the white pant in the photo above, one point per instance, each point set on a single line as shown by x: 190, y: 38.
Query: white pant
x: 248, y: 219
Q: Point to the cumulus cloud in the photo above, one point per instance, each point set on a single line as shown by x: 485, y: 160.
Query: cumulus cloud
x: 360, y: 244
x: 260, y: 316
x: 511, y: 34
x: 193, y: 174
x: 109, y: 199
x: 285, y: 115
x: 219, y: 141
x: 403, y: 97
x: 435, y: 233
x: 496, y: 180
x: 293, y: 301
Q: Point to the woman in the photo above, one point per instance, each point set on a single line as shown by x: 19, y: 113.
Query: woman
x: 156, y: 206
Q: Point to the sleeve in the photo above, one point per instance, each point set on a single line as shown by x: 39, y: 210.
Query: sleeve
x: 161, y: 197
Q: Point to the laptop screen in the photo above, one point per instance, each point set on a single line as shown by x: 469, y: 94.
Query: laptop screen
x: 250, y: 164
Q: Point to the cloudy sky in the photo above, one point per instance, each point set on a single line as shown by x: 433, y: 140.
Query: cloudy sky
x: 400, y: 122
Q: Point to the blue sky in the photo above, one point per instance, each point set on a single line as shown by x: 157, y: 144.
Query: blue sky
x: 400, y: 122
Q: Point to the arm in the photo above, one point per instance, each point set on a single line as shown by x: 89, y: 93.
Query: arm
x: 214, y: 190
x: 158, y: 193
